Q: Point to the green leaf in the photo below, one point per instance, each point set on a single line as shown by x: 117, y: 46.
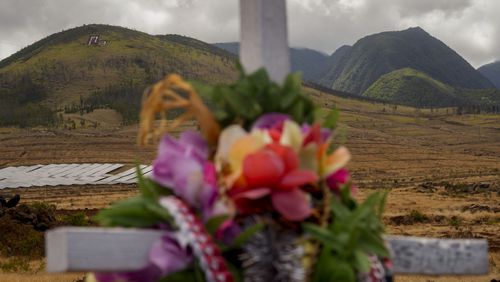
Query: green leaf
x: 374, y: 246
x: 332, y: 119
x: 297, y: 110
x: 291, y: 90
x: 188, y: 274
x: 198, y: 272
x: 260, y: 78
x: 363, y: 263
x: 342, y: 271
x: 160, y: 212
x: 330, y: 268
x: 133, y: 212
x: 381, y: 204
x: 272, y: 101
x: 323, y: 269
x: 236, y: 272
x: 247, y: 234
x: 321, y: 234
x: 146, y: 189
x: 213, y: 223
x: 241, y: 103
x: 150, y: 189
x: 204, y: 90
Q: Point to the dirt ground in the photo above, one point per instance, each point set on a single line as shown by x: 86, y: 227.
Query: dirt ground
x: 442, y: 171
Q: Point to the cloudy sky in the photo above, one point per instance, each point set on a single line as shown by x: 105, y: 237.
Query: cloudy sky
x: 470, y: 27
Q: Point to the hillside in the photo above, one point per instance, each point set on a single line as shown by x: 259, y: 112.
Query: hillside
x: 378, y: 54
x: 66, y: 68
x: 492, y: 72
x: 411, y: 87
x: 414, y: 88
x: 311, y: 63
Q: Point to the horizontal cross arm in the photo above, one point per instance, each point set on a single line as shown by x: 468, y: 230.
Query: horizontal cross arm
x: 126, y: 249
x: 430, y: 256
x: 98, y: 249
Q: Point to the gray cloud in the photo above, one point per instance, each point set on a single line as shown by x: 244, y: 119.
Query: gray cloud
x: 471, y: 27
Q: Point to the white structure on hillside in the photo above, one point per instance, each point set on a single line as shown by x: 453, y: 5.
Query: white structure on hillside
x: 94, y: 41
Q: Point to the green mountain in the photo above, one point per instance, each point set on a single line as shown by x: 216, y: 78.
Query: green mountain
x: 414, y: 88
x: 70, y: 68
x: 311, y: 63
x: 378, y: 54
x: 492, y: 72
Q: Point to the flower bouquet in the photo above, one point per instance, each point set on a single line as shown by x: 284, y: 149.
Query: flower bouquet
x: 260, y: 193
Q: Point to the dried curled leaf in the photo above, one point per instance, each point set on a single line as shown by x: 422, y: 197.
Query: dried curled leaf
x: 163, y: 97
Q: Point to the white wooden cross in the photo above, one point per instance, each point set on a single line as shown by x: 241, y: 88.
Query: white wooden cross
x: 263, y: 44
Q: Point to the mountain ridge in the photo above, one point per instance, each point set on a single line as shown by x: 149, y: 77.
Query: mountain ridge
x: 375, y: 55
x: 492, y: 72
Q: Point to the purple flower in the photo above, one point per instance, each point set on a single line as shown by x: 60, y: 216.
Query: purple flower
x: 182, y: 166
x: 228, y: 232
x: 324, y: 133
x: 270, y: 120
x: 165, y: 257
x: 150, y: 273
x: 169, y: 256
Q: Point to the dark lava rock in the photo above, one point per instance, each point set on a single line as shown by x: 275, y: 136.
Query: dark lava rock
x: 476, y: 208
x: 41, y: 218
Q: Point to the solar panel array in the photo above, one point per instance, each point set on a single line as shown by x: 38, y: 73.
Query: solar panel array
x: 67, y: 174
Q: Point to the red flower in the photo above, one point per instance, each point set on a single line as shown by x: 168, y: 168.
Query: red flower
x: 272, y: 179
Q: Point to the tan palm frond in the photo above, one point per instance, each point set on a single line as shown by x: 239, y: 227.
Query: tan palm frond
x: 165, y: 96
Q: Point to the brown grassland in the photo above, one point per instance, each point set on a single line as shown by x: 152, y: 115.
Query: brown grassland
x: 442, y: 171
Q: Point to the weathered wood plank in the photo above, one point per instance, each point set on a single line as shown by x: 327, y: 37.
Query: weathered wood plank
x: 99, y: 249
x: 431, y: 256
x: 264, y: 38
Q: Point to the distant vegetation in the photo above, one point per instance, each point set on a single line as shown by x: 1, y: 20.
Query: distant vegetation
x: 414, y: 88
x: 123, y: 98
x: 20, y: 105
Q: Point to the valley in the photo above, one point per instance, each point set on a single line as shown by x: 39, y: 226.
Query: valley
x: 442, y: 169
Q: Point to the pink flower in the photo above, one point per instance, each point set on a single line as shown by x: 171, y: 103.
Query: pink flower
x: 337, y: 179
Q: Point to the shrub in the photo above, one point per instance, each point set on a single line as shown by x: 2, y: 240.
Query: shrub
x: 75, y: 219
x: 18, y: 239
x: 416, y: 216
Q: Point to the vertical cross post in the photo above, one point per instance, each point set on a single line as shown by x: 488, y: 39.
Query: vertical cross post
x: 264, y: 39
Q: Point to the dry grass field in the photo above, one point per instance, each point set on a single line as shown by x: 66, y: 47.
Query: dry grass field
x: 442, y: 171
